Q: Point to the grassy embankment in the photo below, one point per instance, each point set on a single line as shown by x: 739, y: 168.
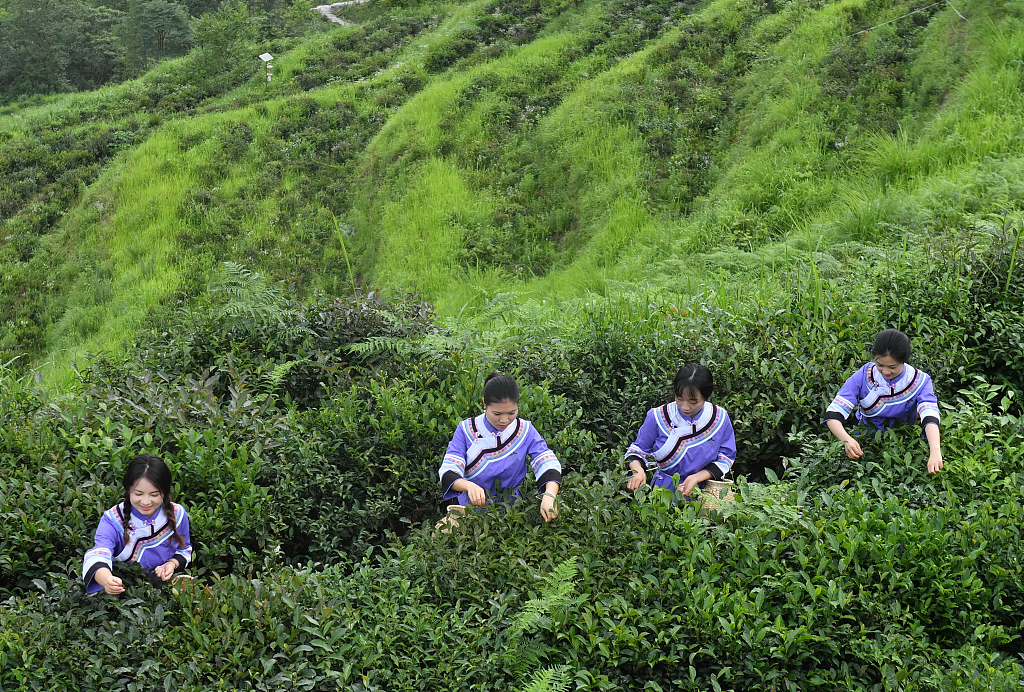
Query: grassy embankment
x: 600, y: 156
x: 793, y: 163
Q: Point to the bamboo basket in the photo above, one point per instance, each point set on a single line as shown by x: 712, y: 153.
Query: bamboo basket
x: 711, y: 497
x: 451, y: 519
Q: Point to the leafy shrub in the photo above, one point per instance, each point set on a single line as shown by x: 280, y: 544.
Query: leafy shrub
x: 817, y: 587
x: 357, y: 53
x: 68, y: 461
x: 310, y: 430
x: 365, y: 465
x: 848, y: 573
x: 778, y: 364
x: 447, y: 53
x: 282, y: 347
x: 972, y: 321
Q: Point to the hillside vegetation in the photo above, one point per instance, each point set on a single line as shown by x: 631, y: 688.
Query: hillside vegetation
x: 551, y: 151
x: 292, y: 290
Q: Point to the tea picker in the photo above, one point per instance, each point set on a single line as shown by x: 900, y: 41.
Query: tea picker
x: 146, y: 528
x: 487, y: 459
x: 885, y: 393
x: 689, y: 437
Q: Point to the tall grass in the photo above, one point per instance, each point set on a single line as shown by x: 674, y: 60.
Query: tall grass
x: 791, y: 163
x: 781, y: 176
x: 125, y: 231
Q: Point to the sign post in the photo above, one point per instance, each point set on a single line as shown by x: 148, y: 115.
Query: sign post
x: 266, y: 58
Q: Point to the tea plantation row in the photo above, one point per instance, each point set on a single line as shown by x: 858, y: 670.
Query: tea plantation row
x: 305, y: 438
x: 797, y: 588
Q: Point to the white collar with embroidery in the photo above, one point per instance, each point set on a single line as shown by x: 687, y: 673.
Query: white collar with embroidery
x: 155, y: 519
x: 878, y: 381
x: 679, y: 420
x: 485, y: 432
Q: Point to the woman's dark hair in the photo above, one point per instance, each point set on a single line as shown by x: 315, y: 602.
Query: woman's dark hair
x: 499, y: 388
x: 892, y: 343
x: 154, y: 470
x: 694, y: 377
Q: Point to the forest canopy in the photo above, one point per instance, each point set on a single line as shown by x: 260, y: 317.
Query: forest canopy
x: 56, y: 46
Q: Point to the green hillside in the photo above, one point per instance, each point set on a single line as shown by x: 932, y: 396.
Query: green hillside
x: 292, y: 291
x: 552, y: 151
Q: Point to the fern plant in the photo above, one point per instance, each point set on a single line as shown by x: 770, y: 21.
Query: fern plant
x: 247, y: 296
x: 272, y: 379
x: 433, y: 344
x: 549, y: 680
x: 557, y: 593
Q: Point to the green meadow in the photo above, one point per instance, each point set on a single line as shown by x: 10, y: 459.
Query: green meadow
x: 292, y: 290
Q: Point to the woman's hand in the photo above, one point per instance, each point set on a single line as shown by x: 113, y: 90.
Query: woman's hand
x: 638, y: 478
x: 111, y: 584
x: 548, y: 507
x: 166, y: 570
x: 691, y: 481
x: 548, y: 501
x: 851, y: 445
x: 931, y: 432
x: 476, y: 494
x: 853, y: 449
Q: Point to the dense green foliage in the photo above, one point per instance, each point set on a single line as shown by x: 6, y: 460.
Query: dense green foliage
x: 311, y: 432
x: 584, y: 193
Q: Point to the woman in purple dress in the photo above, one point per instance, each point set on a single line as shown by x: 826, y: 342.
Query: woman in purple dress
x: 690, y: 437
x: 491, y: 452
x: 146, y: 528
x: 886, y: 393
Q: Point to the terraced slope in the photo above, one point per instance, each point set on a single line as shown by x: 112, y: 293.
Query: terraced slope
x: 545, y: 150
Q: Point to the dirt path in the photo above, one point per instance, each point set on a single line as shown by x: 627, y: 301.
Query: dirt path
x: 328, y: 10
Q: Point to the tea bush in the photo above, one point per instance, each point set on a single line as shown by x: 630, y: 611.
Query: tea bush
x: 778, y: 363
x: 769, y: 368
x: 67, y: 459
x: 322, y: 422
x: 305, y: 430
x: 281, y: 346
x: 817, y: 587
x: 859, y: 574
x: 319, y: 459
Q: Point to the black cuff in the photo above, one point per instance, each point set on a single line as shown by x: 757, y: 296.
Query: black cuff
x: 928, y: 419
x: 834, y: 415
x: 715, y: 471
x: 92, y: 571
x: 448, y: 479
x: 181, y: 562
x: 634, y: 457
x: 549, y: 476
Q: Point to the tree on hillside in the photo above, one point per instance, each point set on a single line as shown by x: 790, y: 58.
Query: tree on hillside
x: 157, y: 29
x: 120, y: 5
x: 225, y: 39
x: 96, y: 56
x: 295, y: 18
x: 197, y: 8
x: 49, y: 46
x: 32, y: 57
